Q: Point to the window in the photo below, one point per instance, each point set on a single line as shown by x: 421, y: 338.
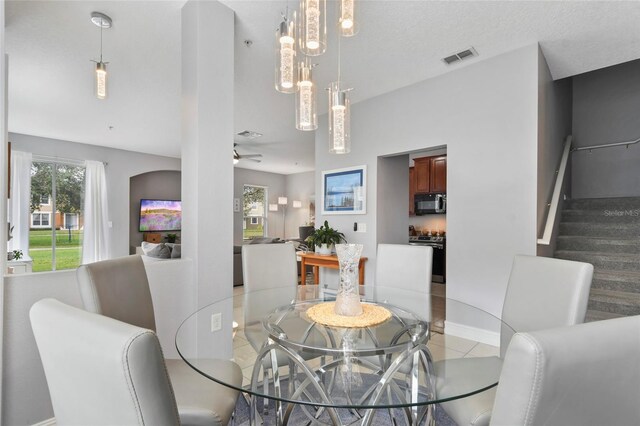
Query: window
x: 55, y: 237
x: 254, y: 212
x: 40, y: 220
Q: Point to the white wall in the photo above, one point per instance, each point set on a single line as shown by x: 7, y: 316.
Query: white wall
x: 486, y: 114
x: 301, y: 187
x: 276, y: 184
x: 3, y: 173
x: 605, y: 110
x: 121, y: 166
x: 393, y: 200
x: 554, y: 125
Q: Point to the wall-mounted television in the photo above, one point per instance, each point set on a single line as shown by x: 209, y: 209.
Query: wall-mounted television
x: 160, y: 215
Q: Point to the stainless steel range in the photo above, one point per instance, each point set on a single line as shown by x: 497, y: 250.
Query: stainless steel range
x: 439, y: 254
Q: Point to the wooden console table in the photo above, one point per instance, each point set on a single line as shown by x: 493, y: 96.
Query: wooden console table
x: 331, y: 262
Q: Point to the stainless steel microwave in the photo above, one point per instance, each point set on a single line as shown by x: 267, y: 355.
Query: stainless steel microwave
x: 430, y: 204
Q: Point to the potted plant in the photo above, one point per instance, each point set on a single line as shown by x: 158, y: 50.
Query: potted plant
x: 171, y: 238
x: 324, y: 238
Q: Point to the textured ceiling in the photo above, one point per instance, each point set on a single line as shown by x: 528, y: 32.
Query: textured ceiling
x: 399, y: 43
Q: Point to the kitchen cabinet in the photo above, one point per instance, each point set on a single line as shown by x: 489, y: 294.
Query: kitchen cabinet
x: 412, y: 190
x: 422, y: 171
x: 430, y: 175
x: 438, y: 174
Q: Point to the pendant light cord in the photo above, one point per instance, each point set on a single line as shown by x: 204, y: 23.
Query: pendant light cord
x: 339, y: 56
x: 101, y: 29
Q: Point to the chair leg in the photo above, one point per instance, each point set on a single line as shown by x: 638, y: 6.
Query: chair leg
x: 265, y: 389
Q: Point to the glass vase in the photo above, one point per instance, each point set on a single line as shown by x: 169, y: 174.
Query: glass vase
x: 348, y: 299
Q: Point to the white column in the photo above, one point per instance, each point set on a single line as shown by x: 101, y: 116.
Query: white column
x: 3, y: 184
x: 207, y: 148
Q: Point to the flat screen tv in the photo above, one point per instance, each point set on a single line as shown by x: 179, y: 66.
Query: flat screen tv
x: 160, y: 215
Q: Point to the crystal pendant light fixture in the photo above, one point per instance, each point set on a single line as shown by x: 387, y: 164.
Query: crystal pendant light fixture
x: 312, y: 31
x: 104, y: 22
x: 286, y: 55
x: 347, y: 22
x: 339, y: 115
x: 339, y: 119
x: 306, y: 113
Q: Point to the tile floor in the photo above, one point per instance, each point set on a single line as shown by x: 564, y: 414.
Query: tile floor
x: 441, y: 345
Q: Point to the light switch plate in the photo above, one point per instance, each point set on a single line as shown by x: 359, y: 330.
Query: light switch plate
x: 362, y: 227
x: 236, y: 205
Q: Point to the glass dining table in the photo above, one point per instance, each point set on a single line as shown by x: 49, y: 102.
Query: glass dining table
x: 301, y: 371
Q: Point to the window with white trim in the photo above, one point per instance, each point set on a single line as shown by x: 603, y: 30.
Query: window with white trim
x: 254, y: 212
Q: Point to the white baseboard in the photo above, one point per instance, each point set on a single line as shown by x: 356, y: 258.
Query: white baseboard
x: 48, y: 422
x: 472, y: 333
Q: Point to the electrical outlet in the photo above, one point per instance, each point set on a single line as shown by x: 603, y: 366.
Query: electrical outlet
x: 216, y: 322
x: 361, y: 227
x: 236, y: 205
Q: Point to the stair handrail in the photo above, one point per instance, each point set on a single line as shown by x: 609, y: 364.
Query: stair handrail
x: 555, y: 197
x: 606, y: 145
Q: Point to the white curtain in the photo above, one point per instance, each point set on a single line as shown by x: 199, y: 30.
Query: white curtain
x: 19, y: 203
x: 95, y: 244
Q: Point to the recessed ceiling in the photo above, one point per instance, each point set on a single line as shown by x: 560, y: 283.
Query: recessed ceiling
x: 400, y: 43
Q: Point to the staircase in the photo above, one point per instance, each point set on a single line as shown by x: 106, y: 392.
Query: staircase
x: 606, y: 233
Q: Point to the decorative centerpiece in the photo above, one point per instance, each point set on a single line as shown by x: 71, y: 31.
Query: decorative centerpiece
x: 348, y: 299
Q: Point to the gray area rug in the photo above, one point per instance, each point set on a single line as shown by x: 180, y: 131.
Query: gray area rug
x: 382, y: 417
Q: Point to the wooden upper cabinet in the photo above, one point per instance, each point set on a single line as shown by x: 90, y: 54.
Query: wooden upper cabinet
x: 438, y: 176
x: 430, y: 175
x: 422, y: 168
x: 412, y: 190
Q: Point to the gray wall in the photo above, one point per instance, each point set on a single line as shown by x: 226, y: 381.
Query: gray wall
x: 486, y: 115
x: 121, y: 166
x: 276, y: 184
x: 605, y: 110
x: 393, y: 200
x: 554, y: 125
x: 160, y: 185
x: 301, y: 187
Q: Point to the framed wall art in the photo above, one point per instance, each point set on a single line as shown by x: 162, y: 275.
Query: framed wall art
x: 344, y: 191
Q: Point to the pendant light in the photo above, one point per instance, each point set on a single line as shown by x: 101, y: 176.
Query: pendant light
x: 286, y: 55
x: 104, y: 22
x: 347, y: 22
x: 306, y: 113
x: 312, y: 31
x: 339, y: 115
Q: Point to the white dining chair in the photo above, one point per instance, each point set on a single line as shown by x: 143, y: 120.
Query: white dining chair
x: 586, y: 374
x: 403, y: 267
x: 542, y: 293
x: 101, y: 371
x: 119, y: 289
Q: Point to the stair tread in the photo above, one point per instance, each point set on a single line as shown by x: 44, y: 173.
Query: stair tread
x: 620, y: 297
x: 609, y: 239
x: 595, y: 315
x: 603, y: 225
x: 609, y: 274
x: 625, y: 256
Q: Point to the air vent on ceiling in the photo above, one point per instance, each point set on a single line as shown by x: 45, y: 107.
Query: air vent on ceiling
x: 249, y: 134
x: 457, y: 57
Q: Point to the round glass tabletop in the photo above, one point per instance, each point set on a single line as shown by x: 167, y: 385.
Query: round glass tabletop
x: 413, y: 359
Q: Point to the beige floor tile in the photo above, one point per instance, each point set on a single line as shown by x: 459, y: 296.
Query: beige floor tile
x: 239, y: 342
x: 440, y: 352
x: 245, y: 356
x: 482, y: 350
x: 452, y: 342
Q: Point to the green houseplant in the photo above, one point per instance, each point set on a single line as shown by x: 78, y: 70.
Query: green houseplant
x: 324, y: 238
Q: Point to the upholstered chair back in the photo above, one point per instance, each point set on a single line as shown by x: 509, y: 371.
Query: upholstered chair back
x: 544, y: 293
x: 269, y: 266
x: 402, y: 271
x: 101, y: 371
x: 118, y: 288
x: 586, y: 374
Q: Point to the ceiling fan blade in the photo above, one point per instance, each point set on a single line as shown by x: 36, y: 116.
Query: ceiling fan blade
x: 250, y: 155
x: 254, y: 160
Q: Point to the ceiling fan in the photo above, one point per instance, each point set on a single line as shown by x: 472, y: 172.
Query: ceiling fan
x: 237, y: 157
